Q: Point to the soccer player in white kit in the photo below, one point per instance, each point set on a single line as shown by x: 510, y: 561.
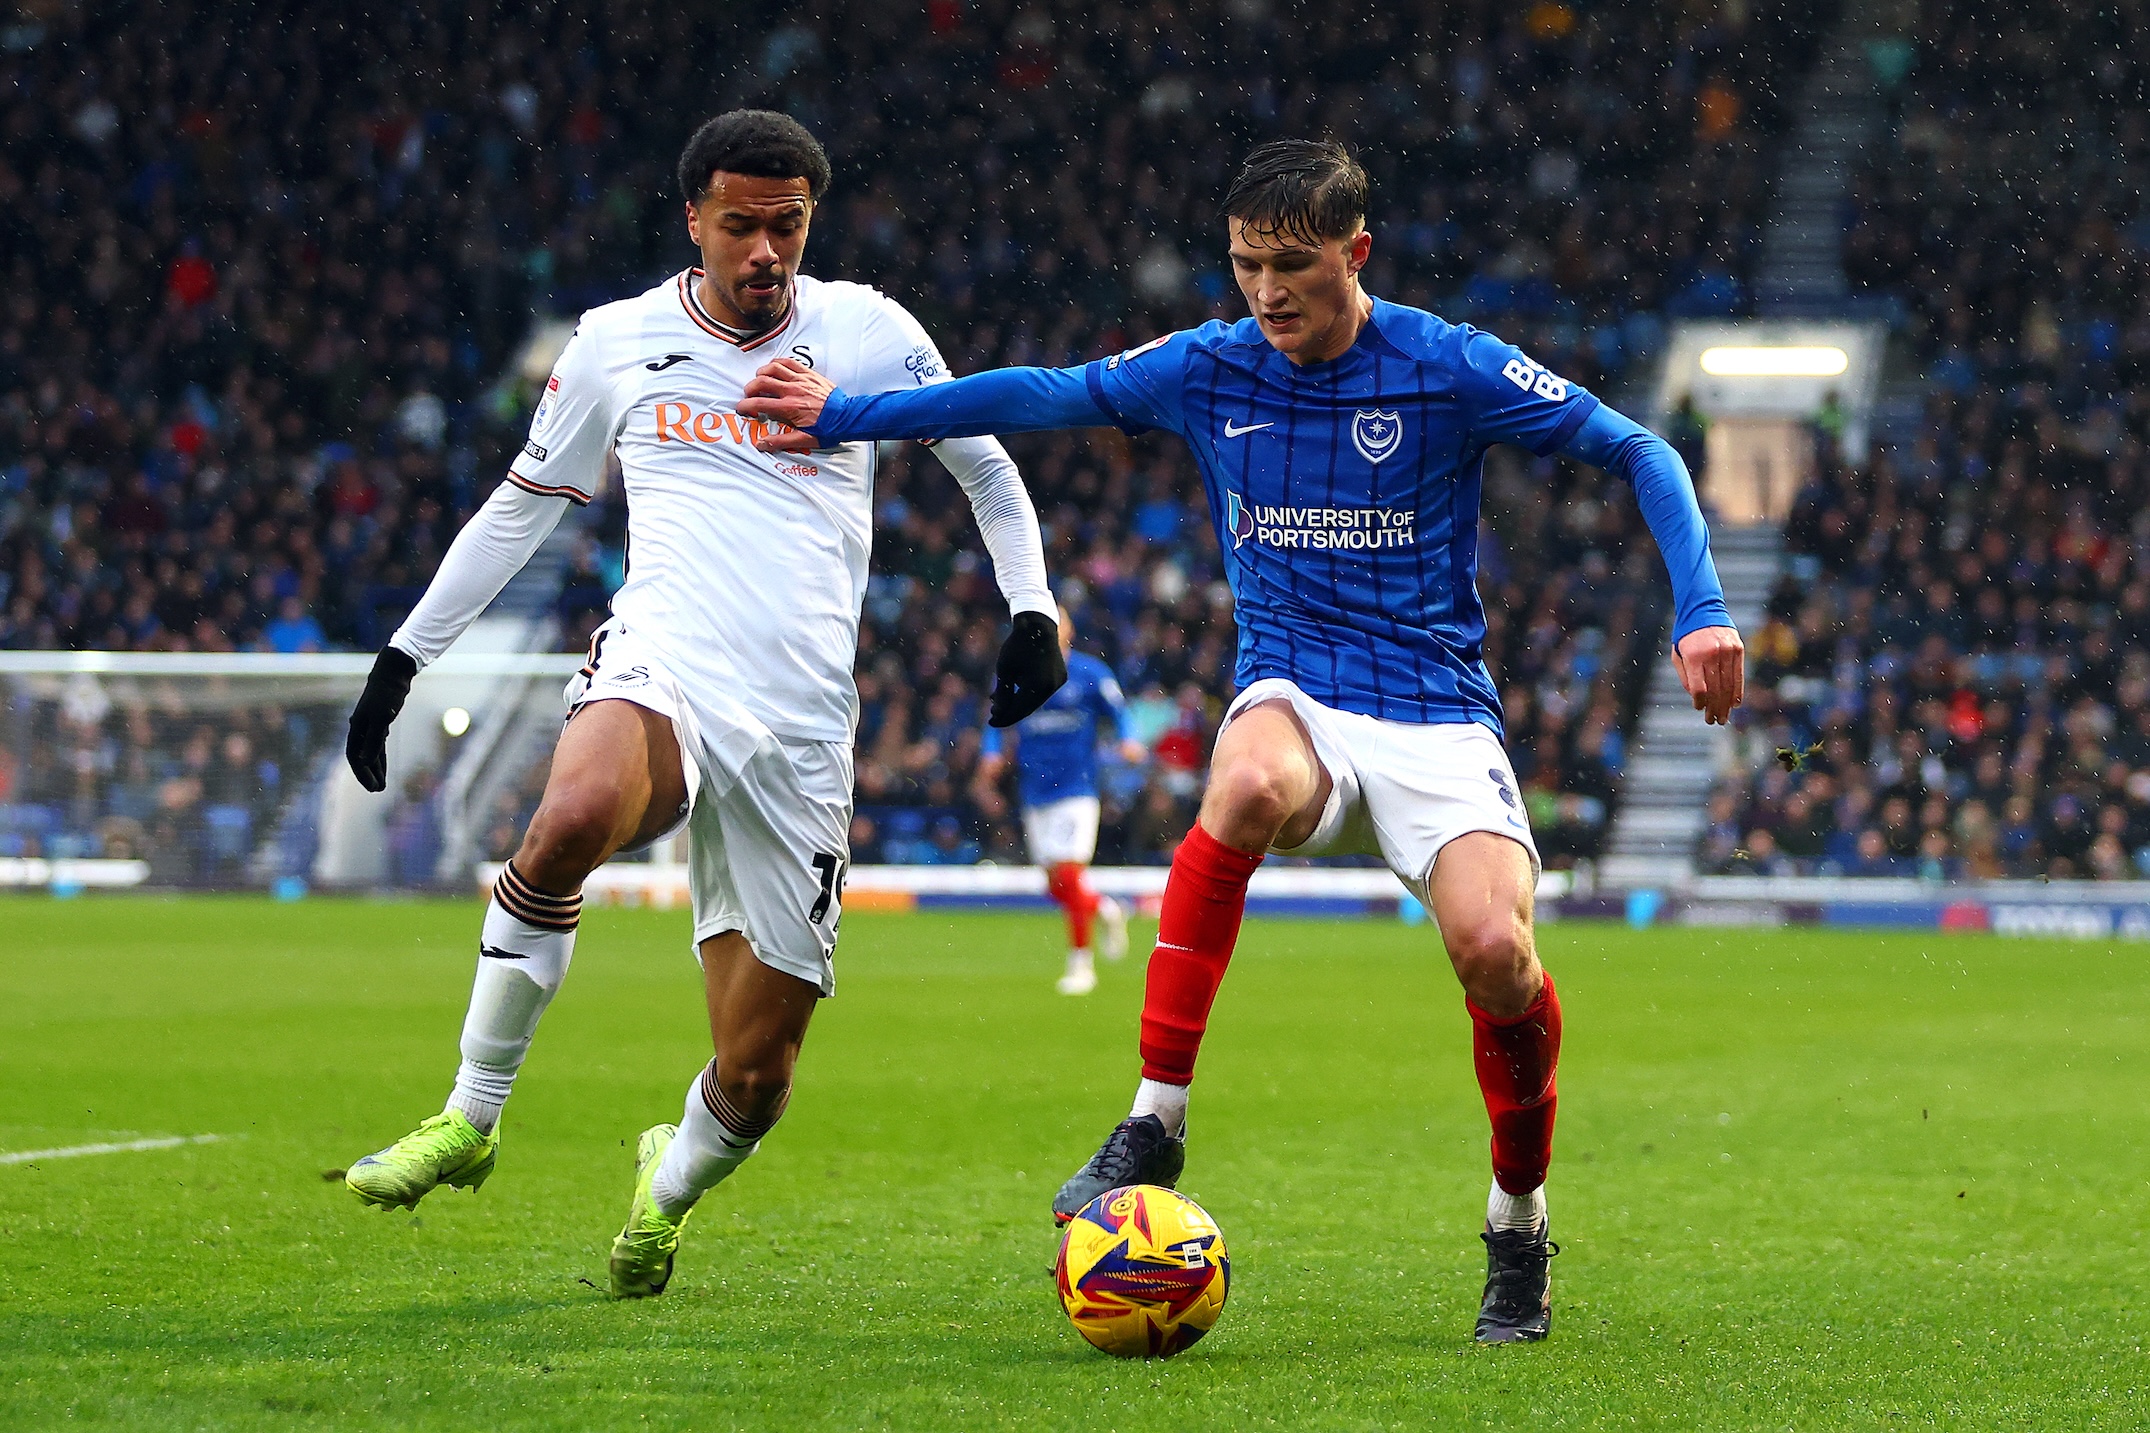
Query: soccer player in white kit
x: 719, y: 695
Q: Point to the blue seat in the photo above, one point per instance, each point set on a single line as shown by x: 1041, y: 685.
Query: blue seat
x: 28, y: 819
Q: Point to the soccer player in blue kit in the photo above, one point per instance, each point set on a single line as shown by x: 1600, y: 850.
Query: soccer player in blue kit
x: 1341, y: 440
x: 1055, y: 751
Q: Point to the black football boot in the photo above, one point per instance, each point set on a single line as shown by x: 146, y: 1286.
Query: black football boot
x: 1518, y: 1306
x: 1138, y: 1151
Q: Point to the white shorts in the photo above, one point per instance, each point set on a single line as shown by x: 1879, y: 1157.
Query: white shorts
x: 768, y: 817
x: 1061, y: 831
x: 1401, y: 790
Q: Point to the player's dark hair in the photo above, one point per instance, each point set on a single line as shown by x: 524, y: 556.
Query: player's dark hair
x: 1306, y: 189
x: 757, y: 142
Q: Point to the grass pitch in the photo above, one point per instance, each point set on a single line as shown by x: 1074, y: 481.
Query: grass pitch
x: 1803, y: 1180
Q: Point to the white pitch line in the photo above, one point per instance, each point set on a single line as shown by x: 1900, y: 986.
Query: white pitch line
x: 76, y: 1151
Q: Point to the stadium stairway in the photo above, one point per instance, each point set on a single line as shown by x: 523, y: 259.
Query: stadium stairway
x: 1676, y: 756
x: 1841, y: 112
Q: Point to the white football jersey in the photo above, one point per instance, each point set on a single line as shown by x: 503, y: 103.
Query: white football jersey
x: 745, y: 570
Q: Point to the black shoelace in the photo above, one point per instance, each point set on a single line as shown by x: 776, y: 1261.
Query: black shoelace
x: 1118, y: 1157
x: 1519, y: 1260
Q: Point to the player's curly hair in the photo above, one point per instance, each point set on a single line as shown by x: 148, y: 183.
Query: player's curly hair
x: 756, y: 142
x: 1309, y: 190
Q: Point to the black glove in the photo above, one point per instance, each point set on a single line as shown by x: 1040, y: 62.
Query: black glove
x: 386, y: 687
x: 1031, y: 668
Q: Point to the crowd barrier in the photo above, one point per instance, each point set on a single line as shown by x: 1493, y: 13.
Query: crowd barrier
x: 2083, y: 909
x: 2089, y: 910
x: 1355, y: 892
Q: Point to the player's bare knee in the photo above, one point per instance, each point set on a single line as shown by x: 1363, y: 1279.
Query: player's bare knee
x: 568, y: 838
x: 1495, y: 960
x: 757, y: 1090
x: 1247, y: 804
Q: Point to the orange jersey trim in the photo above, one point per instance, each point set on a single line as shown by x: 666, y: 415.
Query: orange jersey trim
x: 574, y: 495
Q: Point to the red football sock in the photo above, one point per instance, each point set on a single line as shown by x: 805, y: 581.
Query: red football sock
x: 1516, y: 1060
x: 1205, y: 896
x: 1066, y: 884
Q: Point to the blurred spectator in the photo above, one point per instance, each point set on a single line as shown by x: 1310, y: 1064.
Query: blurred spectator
x: 413, y: 833
x: 294, y: 629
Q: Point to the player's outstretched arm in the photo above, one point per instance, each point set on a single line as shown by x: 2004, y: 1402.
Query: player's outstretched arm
x: 1003, y: 400
x: 1031, y: 667
x: 491, y: 548
x: 1706, y: 648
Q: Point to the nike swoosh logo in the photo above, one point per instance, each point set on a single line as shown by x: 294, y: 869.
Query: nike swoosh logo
x: 669, y: 360
x: 1232, y: 430
x: 494, y: 952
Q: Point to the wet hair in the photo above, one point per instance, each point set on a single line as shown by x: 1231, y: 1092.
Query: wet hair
x: 1308, y: 190
x: 756, y: 142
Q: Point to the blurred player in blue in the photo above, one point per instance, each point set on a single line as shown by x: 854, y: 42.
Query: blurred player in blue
x: 1055, y: 753
x: 1341, y: 440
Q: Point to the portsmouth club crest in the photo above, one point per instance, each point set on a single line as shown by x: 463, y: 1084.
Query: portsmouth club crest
x: 1238, y: 518
x: 1376, y: 434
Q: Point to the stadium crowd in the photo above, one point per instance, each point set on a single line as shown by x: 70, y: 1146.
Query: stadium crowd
x: 1954, y: 677
x: 2005, y: 211
x: 1957, y: 669
x: 268, y: 272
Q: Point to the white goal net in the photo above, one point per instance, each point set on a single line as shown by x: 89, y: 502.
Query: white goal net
x: 202, y: 771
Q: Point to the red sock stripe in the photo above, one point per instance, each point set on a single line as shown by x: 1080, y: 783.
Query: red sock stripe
x: 742, y: 1130
x: 1517, y: 1060
x: 532, y: 906
x: 1205, y: 898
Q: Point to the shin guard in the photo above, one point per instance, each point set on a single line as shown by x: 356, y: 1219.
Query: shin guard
x: 1517, y: 1059
x: 1205, y: 898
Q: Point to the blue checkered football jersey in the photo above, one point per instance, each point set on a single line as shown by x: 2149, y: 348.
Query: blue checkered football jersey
x: 1345, y: 495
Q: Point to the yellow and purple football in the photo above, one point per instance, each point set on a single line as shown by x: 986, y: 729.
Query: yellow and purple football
x: 1142, y: 1272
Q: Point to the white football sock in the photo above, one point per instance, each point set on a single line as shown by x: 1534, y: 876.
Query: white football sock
x: 708, y: 1147
x: 1514, y: 1211
x: 1079, y: 960
x: 1167, y: 1102
x: 520, y: 967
